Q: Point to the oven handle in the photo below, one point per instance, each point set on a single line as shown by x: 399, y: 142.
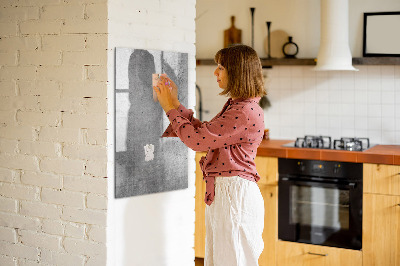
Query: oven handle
x: 297, y: 181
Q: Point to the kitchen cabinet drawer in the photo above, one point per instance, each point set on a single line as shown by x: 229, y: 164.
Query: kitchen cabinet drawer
x: 381, y: 230
x: 267, y: 168
x: 298, y: 254
x: 381, y: 179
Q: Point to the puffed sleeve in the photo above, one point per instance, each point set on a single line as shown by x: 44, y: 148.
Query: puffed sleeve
x: 186, y: 113
x: 225, y: 130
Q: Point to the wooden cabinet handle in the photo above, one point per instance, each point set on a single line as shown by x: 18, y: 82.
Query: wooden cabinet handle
x: 318, y: 254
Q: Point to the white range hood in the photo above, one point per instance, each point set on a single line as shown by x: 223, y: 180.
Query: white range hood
x: 334, y: 51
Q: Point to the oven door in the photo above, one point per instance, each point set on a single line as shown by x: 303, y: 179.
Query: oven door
x: 321, y: 212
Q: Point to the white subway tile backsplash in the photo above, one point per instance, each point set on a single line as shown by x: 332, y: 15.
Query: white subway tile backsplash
x: 388, y: 110
x: 348, y: 96
x: 374, y: 123
x: 347, y: 110
x: 338, y: 104
x: 388, y: 97
x: 374, y: 84
x: 310, y: 109
x: 348, y: 123
x: 310, y: 95
x: 360, y: 97
x: 388, y: 84
x: 361, y: 110
x: 388, y: 124
x: 348, y: 133
x: 284, y: 72
x: 335, y: 95
x: 322, y: 95
x: 375, y: 136
x: 322, y: 109
x: 397, y: 110
x: 387, y: 72
x: 389, y: 136
x: 297, y: 72
x: 297, y: 83
x: 374, y: 111
x: 322, y: 121
x: 361, y: 123
x: 397, y: 72
x: 284, y: 83
x: 374, y: 97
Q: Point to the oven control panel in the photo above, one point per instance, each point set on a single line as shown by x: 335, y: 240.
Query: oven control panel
x: 331, y: 169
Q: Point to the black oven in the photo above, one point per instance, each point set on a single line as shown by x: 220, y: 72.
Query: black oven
x: 320, y: 202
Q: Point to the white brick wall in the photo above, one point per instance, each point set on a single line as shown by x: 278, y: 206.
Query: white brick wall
x: 53, y: 111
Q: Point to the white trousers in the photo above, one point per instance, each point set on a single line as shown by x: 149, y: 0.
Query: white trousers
x: 234, y: 223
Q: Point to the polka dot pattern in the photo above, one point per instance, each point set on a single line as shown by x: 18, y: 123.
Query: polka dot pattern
x: 231, y: 139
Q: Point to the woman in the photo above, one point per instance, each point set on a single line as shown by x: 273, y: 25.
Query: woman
x: 235, y: 207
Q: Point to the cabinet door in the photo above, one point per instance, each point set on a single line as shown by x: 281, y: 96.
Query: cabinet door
x: 267, y: 168
x: 381, y: 179
x: 270, y: 233
x: 297, y: 254
x: 381, y: 230
x: 200, y: 207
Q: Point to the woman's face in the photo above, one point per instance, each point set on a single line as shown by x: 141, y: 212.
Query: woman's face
x: 222, y: 76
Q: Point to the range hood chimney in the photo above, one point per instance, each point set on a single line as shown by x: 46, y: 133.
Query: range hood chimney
x: 334, y: 51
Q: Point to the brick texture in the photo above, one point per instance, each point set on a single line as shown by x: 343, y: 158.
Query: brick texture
x: 53, y: 110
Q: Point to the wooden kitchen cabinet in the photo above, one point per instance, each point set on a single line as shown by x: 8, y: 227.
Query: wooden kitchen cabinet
x: 381, y: 230
x: 298, y: 254
x: 200, y: 207
x: 270, y: 233
x: 267, y: 168
x: 381, y: 179
x: 381, y: 215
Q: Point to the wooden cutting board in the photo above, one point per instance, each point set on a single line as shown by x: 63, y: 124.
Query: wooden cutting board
x: 232, y: 35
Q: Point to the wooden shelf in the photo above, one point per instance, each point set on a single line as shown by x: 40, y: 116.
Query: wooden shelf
x: 312, y: 61
x: 376, y: 61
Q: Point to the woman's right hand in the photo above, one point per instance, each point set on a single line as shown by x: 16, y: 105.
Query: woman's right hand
x: 174, y: 89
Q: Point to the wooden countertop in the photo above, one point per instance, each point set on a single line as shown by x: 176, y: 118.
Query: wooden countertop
x: 379, y: 154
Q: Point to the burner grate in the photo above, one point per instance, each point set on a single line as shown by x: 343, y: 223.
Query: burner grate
x: 320, y: 142
x: 351, y: 144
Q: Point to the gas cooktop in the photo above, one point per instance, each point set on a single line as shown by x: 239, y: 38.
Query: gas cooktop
x: 325, y: 142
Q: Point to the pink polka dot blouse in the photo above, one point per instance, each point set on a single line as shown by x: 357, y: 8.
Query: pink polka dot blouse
x: 231, y: 139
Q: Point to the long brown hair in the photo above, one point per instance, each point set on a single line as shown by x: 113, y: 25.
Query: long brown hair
x: 245, y: 78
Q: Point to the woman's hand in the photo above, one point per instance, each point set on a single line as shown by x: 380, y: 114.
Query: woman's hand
x: 174, y: 89
x: 164, y: 96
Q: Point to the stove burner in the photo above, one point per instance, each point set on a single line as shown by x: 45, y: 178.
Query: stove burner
x: 351, y: 144
x: 324, y: 142
x: 308, y: 141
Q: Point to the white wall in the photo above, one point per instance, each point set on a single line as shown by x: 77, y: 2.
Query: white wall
x: 338, y: 104
x: 299, y: 18
x: 155, y: 229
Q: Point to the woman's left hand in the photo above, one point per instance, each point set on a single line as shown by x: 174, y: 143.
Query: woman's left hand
x: 163, y: 92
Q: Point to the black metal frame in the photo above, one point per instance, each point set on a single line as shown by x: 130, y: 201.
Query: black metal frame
x: 366, y: 15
